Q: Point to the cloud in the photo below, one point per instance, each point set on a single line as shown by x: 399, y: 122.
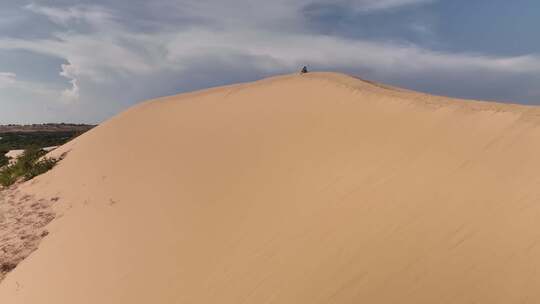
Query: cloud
x: 373, y: 5
x: 124, y: 54
x: 7, y: 79
x: 94, y: 15
x: 102, y: 48
x: 108, y: 55
x: 116, y: 51
x: 70, y: 72
x: 279, y: 15
x: 278, y: 51
x: 9, y: 82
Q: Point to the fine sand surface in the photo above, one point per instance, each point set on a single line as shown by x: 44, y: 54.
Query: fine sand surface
x: 319, y: 188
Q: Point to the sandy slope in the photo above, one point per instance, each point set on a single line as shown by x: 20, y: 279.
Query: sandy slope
x: 22, y: 219
x: 298, y: 189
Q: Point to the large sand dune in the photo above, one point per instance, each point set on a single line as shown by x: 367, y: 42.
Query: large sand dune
x: 319, y: 188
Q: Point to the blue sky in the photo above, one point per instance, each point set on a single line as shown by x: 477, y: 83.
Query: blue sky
x: 84, y: 61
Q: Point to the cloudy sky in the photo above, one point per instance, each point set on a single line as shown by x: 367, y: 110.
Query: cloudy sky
x: 85, y: 60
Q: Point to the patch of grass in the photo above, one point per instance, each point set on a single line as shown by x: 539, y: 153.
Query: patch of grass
x: 29, y: 165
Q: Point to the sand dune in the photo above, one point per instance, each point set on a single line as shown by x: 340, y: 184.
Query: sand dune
x: 319, y: 188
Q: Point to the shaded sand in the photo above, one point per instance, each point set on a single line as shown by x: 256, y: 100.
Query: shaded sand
x: 22, y: 222
x: 319, y: 188
x: 13, y: 155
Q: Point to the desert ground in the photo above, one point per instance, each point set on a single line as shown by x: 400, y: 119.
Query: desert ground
x: 316, y: 188
x: 22, y: 222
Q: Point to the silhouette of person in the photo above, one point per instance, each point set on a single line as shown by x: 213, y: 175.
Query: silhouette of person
x: 304, y: 70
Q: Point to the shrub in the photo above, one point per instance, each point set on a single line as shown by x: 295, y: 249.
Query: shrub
x: 40, y: 167
x: 7, y: 176
x: 29, y: 165
x: 3, y: 158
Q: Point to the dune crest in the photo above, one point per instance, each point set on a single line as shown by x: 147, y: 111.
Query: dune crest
x: 316, y: 188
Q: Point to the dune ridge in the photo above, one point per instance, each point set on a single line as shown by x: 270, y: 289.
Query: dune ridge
x: 317, y: 188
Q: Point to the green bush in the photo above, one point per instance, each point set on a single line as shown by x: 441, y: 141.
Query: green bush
x: 7, y: 176
x: 3, y: 158
x: 40, y: 167
x: 29, y: 165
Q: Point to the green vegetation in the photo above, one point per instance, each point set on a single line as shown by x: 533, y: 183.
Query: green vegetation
x: 29, y: 165
x: 24, y: 140
x: 32, y: 139
x: 3, y: 158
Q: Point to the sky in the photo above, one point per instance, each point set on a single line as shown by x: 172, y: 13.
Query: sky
x: 84, y: 61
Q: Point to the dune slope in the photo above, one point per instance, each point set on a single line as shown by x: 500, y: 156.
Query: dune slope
x: 319, y: 188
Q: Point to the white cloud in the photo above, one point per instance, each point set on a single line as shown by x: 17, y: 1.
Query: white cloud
x: 287, y: 51
x: 93, y: 15
x: 70, y: 72
x: 98, y: 55
x: 7, y: 79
